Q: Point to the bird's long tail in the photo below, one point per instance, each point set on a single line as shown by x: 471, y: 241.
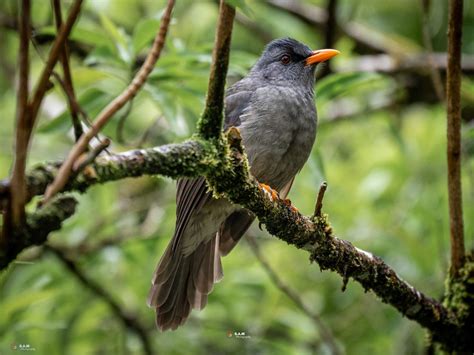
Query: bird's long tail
x: 182, y: 283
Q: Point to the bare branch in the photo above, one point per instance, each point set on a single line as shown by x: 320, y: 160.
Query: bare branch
x: 453, y: 95
x: 16, y: 213
x: 114, y: 106
x: 325, y: 333
x: 55, y: 52
x: 76, y: 122
x: 130, y: 321
x: 210, y: 123
x: 319, y: 201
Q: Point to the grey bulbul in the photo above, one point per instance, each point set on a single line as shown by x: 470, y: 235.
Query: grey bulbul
x: 273, y: 107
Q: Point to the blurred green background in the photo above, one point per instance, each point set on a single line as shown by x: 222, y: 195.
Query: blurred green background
x: 380, y: 146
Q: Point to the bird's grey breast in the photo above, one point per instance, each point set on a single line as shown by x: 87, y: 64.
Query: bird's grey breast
x: 278, y: 129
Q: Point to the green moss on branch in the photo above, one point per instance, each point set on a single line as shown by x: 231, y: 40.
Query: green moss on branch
x: 210, y: 123
x: 191, y: 158
x: 37, y: 227
x: 332, y: 253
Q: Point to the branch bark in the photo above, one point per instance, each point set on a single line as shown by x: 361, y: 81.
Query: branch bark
x: 55, y: 52
x: 192, y: 158
x: 107, y: 113
x: 76, y: 122
x: 16, y: 211
x: 37, y: 227
x: 453, y: 93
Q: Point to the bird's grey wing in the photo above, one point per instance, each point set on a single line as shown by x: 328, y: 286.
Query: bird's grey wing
x: 238, y: 98
x: 191, y: 195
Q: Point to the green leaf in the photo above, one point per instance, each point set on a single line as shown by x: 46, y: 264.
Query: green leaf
x: 143, y: 33
x: 22, y: 301
x: 119, y: 37
x: 91, y: 102
x: 337, y: 84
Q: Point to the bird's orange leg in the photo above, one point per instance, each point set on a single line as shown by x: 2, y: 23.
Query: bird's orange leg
x: 275, y: 196
x: 272, y: 193
x: 287, y: 202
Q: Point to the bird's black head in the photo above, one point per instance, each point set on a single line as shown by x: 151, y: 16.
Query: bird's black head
x: 287, y: 60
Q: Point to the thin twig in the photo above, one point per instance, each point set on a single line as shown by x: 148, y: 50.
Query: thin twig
x: 55, y: 52
x: 105, y: 115
x: 67, y: 73
x: 434, y: 72
x: 131, y: 322
x: 23, y: 127
x: 210, y: 123
x: 453, y: 95
x: 72, y: 100
x: 324, y: 331
x: 88, y: 158
x: 319, y: 201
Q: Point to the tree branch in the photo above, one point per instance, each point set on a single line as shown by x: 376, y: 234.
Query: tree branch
x: 16, y: 211
x: 333, y: 253
x: 107, y: 113
x: 453, y: 95
x: 131, y: 322
x: 37, y: 227
x: 76, y: 122
x: 55, y: 52
x: 210, y: 123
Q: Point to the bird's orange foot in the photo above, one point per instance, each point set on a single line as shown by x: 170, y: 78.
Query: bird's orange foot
x: 288, y: 203
x: 267, y: 189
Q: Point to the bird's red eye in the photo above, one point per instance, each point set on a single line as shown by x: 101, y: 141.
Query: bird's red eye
x: 285, y: 59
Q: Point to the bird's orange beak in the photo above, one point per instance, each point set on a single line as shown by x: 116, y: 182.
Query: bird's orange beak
x: 321, y: 55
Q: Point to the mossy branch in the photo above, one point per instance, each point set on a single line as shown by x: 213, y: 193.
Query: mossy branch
x: 210, y: 123
x: 37, y: 227
x: 191, y: 158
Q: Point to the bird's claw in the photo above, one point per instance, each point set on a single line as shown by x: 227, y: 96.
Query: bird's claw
x: 271, y: 193
x: 288, y: 203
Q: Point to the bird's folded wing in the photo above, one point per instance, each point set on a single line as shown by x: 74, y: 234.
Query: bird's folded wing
x: 191, y: 195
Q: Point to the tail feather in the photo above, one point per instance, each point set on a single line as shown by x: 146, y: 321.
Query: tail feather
x: 182, y: 283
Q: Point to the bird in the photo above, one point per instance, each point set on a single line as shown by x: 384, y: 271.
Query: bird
x: 273, y: 108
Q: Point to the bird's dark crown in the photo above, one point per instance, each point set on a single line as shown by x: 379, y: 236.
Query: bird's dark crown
x: 289, y: 45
